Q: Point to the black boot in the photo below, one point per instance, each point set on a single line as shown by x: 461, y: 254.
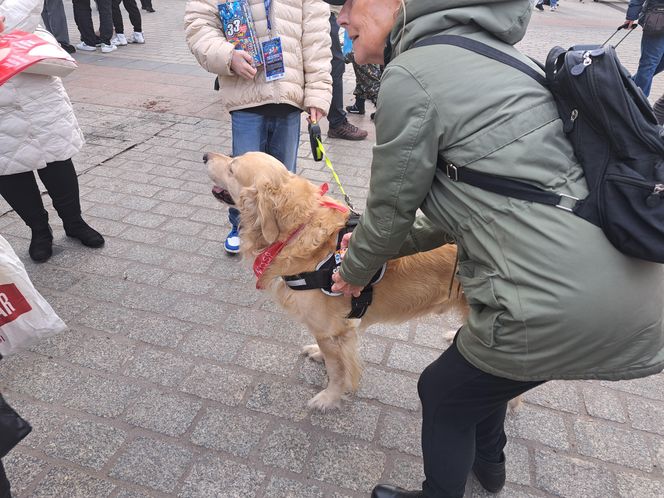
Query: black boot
x: 80, y: 230
x: 490, y: 475
x: 385, y: 491
x: 62, y: 184
x: 41, y: 244
x: 22, y: 194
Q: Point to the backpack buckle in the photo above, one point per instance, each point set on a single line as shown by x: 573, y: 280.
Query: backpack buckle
x: 572, y: 202
x: 452, y: 172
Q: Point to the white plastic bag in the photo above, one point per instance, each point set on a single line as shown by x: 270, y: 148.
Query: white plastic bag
x: 25, y: 316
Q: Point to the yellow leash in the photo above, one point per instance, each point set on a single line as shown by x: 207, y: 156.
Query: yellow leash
x: 320, y: 155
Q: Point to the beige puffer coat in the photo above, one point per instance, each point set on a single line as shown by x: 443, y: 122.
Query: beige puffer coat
x: 304, y: 28
x: 37, y: 122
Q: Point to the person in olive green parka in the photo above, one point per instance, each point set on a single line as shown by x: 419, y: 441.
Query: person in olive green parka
x: 550, y: 297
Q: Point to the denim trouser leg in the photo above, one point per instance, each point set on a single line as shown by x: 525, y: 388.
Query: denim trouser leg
x: 55, y: 20
x: 277, y: 136
x: 651, y: 61
x: 336, y: 115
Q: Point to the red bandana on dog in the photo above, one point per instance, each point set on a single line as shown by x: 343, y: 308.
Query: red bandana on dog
x: 265, y: 258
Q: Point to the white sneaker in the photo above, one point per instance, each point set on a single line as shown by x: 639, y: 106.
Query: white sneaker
x: 136, y: 37
x: 108, y: 48
x: 85, y: 47
x: 119, y: 40
x: 553, y: 9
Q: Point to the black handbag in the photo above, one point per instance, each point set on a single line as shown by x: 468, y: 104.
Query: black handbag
x: 13, y: 429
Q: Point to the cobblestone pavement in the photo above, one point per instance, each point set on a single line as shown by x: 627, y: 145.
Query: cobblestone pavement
x: 178, y: 378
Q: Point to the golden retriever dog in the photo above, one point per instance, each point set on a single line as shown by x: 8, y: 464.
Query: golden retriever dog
x: 276, y: 205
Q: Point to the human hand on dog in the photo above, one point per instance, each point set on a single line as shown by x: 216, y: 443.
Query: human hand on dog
x: 340, y: 285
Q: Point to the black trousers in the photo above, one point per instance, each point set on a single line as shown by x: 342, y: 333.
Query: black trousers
x: 134, y: 15
x: 22, y: 193
x: 146, y: 4
x: 463, y: 415
x: 336, y: 116
x: 83, y: 19
x: 4, y: 483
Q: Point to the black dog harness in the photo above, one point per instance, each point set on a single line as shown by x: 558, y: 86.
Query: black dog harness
x: 321, y: 278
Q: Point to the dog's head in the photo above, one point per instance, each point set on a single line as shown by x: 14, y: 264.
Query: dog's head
x: 272, y: 201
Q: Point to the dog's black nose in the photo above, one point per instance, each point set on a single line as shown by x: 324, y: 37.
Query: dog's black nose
x: 205, y: 157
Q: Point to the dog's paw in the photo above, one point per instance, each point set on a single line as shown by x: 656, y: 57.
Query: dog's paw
x: 312, y: 351
x: 324, y: 401
x: 514, y: 405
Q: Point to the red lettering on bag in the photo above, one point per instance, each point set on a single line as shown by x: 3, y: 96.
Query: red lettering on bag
x: 12, y: 303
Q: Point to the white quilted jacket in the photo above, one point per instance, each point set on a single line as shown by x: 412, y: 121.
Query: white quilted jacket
x: 37, y: 122
x: 304, y: 28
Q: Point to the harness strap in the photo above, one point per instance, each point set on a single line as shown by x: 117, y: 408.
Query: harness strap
x: 359, y: 305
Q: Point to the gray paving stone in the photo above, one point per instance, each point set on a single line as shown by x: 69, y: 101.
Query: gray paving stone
x: 215, y: 344
x: 109, y: 318
x: 152, y: 463
x: 649, y: 387
x: 153, y: 329
x: 518, y: 466
x: 569, y: 476
x: 67, y: 307
x: 191, y: 263
x: 435, y: 335
x: 402, y: 432
x: 354, y: 418
x: 371, y: 349
x: 85, y: 443
x: 46, y: 380
x: 281, y: 487
x: 214, y: 476
x: 410, y: 358
x: 101, y: 396
x: 191, y: 284
x: 281, y: 399
x: 610, y: 444
x: 167, y: 413
x: 157, y: 366
x: 312, y: 372
x: 400, y: 332
x: 238, y: 293
x: 406, y: 472
x: 21, y: 470
x: 72, y: 484
x: 100, y: 264
x: 633, y: 486
x: 43, y: 419
x: 389, y: 388
x: 217, y: 383
x: 229, y: 430
x: 196, y: 310
x: 559, y: 395
x: 99, y: 352
x: 603, y: 403
x: 268, y: 357
x: 184, y: 243
x: 286, y: 447
x: 149, y: 299
x: 144, y: 219
x: 141, y: 273
x: 100, y: 288
x: 347, y: 464
x: 538, y: 424
x: 646, y: 415
x: 109, y: 211
x: 55, y: 278
x: 144, y: 253
x: 183, y: 227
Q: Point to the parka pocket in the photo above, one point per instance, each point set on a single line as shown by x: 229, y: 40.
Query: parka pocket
x: 477, y: 283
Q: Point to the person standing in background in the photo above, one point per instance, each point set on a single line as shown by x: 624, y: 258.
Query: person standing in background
x: 136, y: 21
x: 55, y: 21
x: 147, y: 5
x: 39, y: 131
x: 83, y: 18
x: 266, y: 110
x: 651, y: 61
x: 339, y: 125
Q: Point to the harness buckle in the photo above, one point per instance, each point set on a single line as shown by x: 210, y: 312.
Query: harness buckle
x: 572, y: 201
x: 452, y: 172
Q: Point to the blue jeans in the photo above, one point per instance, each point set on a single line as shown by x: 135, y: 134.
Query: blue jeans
x: 651, y: 61
x: 277, y: 136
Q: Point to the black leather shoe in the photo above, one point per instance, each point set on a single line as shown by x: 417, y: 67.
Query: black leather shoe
x: 80, y: 230
x: 490, y: 475
x: 41, y: 244
x: 385, y: 491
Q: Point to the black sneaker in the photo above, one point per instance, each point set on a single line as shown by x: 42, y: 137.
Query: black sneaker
x: 355, y: 109
x: 539, y: 6
x: 70, y: 49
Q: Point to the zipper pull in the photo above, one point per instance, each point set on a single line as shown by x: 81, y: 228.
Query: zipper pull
x: 568, y: 126
x: 655, y: 197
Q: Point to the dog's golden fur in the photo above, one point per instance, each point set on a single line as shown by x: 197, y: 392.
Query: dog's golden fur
x: 273, y: 203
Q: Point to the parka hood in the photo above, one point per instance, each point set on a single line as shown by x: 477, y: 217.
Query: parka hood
x: 507, y: 20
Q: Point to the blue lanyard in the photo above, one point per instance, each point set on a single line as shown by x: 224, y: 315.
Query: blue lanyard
x: 267, y: 4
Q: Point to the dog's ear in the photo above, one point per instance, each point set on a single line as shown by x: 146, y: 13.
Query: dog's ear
x: 267, y: 211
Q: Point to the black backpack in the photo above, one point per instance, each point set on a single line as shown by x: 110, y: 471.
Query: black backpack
x: 615, y: 137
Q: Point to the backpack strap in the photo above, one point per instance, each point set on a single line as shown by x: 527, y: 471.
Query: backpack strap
x: 486, y: 181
